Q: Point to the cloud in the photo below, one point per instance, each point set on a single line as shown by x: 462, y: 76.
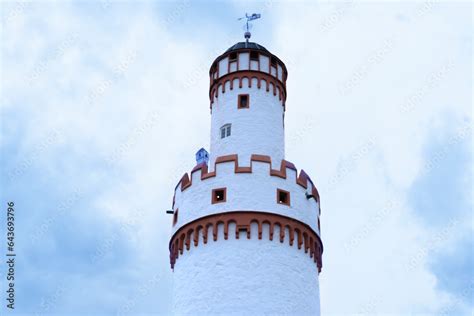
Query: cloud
x: 453, y: 268
x: 443, y: 193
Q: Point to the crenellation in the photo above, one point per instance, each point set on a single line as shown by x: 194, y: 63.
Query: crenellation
x: 202, y: 171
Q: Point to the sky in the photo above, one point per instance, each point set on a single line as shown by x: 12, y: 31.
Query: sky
x: 103, y: 105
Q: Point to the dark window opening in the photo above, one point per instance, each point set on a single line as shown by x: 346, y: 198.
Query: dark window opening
x: 219, y: 195
x: 243, y: 101
x: 175, y: 217
x: 283, y: 197
x: 232, y: 57
x: 273, y: 61
x: 254, y: 56
x: 214, y: 73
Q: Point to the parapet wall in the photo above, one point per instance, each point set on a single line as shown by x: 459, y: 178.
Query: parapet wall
x: 248, y: 188
x: 250, y: 79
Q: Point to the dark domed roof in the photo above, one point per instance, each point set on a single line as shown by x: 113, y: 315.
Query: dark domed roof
x: 250, y: 45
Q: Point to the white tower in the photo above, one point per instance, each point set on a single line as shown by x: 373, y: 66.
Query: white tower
x: 246, y: 235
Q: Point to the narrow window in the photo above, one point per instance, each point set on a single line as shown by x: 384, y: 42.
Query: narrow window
x: 283, y: 197
x: 273, y: 67
x: 213, y: 72
x: 175, y: 217
x: 232, y: 57
x: 219, y: 195
x: 243, y: 101
x: 226, y: 130
x: 254, y: 56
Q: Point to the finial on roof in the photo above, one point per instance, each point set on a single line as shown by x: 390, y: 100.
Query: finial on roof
x: 254, y: 16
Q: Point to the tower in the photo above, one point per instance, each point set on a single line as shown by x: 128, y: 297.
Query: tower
x: 246, y: 233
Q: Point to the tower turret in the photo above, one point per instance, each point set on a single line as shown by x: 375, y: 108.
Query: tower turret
x: 246, y: 232
x: 248, y: 93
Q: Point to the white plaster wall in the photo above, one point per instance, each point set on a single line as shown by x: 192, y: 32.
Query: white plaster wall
x: 264, y: 63
x: 254, y: 65
x: 223, y: 66
x: 245, y: 277
x: 244, y: 65
x: 254, y: 191
x: 273, y: 71
x: 243, y: 61
x: 233, y: 66
x: 256, y: 130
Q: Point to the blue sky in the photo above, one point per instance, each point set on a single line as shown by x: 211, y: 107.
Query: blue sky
x: 94, y: 99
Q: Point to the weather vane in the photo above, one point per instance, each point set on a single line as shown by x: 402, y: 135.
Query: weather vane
x: 254, y: 16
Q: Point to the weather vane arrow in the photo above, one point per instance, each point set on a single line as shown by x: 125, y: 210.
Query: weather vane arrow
x: 253, y: 16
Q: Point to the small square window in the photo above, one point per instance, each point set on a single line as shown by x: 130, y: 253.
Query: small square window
x: 254, y: 56
x: 219, y: 195
x: 226, y: 130
x: 243, y: 102
x: 233, y: 57
x: 283, y: 197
